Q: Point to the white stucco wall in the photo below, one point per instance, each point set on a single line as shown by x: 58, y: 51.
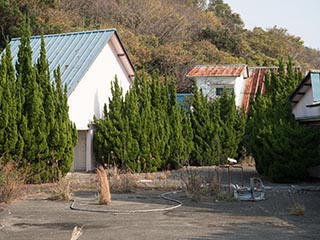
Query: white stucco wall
x: 300, y: 110
x: 94, y: 89
x: 209, y: 85
x: 239, y: 89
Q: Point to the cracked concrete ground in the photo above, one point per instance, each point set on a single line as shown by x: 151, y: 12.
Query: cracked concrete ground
x: 35, y: 217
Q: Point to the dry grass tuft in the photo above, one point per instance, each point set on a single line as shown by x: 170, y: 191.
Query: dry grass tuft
x: 297, y: 209
x: 126, y: 182
x: 193, y: 184
x: 105, y: 195
x: 163, y: 176
x: 11, y: 181
x: 204, y: 186
x: 215, y: 185
x: 61, y: 190
x: 149, y: 176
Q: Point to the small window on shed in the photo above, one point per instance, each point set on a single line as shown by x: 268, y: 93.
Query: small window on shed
x: 219, y: 91
x: 315, y: 81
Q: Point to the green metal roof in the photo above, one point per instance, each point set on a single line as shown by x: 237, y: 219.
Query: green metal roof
x: 74, y: 52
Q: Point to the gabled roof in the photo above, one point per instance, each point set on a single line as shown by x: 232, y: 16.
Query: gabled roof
x: 235, y: 70
x: 74, y: 52
x: 302, y: 88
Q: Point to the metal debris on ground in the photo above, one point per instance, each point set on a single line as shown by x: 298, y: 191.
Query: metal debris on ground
x: 256, y: 191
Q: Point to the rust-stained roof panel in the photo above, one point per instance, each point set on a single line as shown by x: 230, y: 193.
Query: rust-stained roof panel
x: 218, y: 70
x: 254, y: 85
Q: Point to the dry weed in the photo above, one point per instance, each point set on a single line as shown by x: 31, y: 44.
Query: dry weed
x: 297, y: 209
x: 149, y: 176
x: 11, y: 181
x: 204, y: 186
x: 163, y: 176
x: 215, y: 185
x: 105, y: 195
x: 61, y: 190
x: 126, y: 182
x: 193, y: 183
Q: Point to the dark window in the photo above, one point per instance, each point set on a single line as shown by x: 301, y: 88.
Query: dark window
x: 219, y: 91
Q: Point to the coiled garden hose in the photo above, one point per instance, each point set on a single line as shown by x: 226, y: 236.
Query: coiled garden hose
x: 116, y: 212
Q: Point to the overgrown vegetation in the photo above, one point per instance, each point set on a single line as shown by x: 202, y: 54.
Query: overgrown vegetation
x: 35, y: 124
x: 283, y: 149
x: 201, y: 186
x: 166, y: 35
x: 147, y: 130
x: 122, y: 183
x: 61, y: 190
x: 11, y: 180
x: 297, y: 209
x: 137, y: 137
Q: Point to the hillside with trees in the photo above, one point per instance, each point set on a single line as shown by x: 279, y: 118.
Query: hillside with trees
x: 170, y: 36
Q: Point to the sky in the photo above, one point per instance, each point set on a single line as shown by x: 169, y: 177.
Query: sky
x: 300, y: 17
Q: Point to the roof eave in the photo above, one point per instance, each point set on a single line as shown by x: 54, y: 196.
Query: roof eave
x: 300, y: 86
x: 127, y: 56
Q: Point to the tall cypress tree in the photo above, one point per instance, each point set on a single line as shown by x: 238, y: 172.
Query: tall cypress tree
x: 116, y: 123
x: 177, y: 144
x: 161, y: 126
x: 19, y: 92
x: 65, y: 131
x: 9, y: 130
x: 4, y: 108
x: 217, y: 132
x: 132, y: 129
x: 32, y: 105
x: 187, y: 134
x: 101, y: 146
x: 166, y: 130
x: 33, y: 118
x: 228, y: 115
x: 47, y: 92
x: 204, y: 152
x: 277, y: 142
x: 147, y: 126
x: 112, y: 129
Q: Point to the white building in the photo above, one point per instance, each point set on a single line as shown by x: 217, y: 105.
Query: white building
x: 213, y: 79
x: 246, y: 82
x: 305, y: 100
x: 89, y: 62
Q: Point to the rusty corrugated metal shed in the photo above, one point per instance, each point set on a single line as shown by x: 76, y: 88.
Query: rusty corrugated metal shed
x: 219, y: 70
